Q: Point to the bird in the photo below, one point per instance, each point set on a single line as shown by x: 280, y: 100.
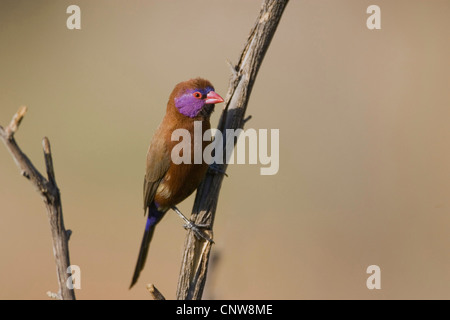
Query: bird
x: 165, y: 183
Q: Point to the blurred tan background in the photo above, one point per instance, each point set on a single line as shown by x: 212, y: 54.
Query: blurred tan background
x: 364, y: 146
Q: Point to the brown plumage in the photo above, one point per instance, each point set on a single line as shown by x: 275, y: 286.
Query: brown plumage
x: 166, y: 184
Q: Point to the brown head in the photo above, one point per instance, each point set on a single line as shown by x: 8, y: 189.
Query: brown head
x: 194, y: 97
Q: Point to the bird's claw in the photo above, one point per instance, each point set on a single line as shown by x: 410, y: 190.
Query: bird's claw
x: 196, y: 229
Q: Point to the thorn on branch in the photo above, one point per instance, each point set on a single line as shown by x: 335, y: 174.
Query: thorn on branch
x: 25, y: 174
x: 233, y: 68
x: 247, y: 119
x: 155, y: 293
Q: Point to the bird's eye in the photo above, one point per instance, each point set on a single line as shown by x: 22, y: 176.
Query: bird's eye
x: 197, y: 95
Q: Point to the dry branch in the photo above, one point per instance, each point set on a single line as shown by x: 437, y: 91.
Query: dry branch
x: 50, y: 194
x: 197, y: 251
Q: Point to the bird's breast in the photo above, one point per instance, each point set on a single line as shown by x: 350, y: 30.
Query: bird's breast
x: 180, y: 181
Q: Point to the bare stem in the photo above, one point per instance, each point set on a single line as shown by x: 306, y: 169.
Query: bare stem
x: 193, y: 272
x: 50, y: 194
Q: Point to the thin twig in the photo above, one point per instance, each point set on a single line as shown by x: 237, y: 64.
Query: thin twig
x: 193, y: 272
x: 155, y: 293
x: 50, y: 194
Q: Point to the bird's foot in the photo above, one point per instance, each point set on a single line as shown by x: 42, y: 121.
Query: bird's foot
x: 196, y: 229
x: 216, y: 169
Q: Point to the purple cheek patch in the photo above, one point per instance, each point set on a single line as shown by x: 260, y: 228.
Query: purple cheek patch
x: 188, y: 105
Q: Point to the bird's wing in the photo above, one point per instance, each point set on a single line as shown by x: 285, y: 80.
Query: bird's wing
x: 158, y: 162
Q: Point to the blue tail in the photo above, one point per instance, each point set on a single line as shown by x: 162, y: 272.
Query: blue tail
x: 154, y: 216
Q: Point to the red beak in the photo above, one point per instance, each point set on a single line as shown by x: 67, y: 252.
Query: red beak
x: 213, y: 98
